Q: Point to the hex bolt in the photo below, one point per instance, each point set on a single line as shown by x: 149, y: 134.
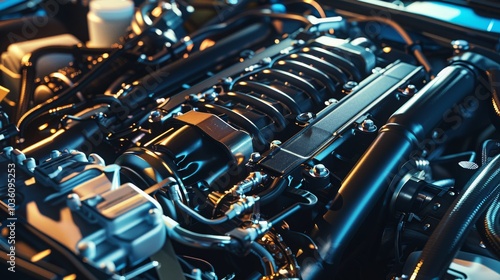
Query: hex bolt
x: 410, y: 90
x: 349, y: 86
x: 319, y: 170
x: 55, y: 154
x: 436, y: 206
x: 155, y: 116
x: 368, y: 125
x: 331, y: 101
x: 303, y: 118
x: 460, y: 46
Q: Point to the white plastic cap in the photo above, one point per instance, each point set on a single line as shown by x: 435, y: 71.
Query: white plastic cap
x: 112, y: 9
x: 108, y: 20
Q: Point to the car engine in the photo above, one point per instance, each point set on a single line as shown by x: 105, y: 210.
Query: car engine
x: 242, y: 139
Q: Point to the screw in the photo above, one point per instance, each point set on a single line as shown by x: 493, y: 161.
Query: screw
x: 349, y: 86
x: 55, y: 154
x: 319, y: 170
x: 377, y: 70
x: 481, y: 244
x: 426, y: 226
x: 436, y: 206
x: 460, y: 46
x: 451, y: 193
x: 368, y: 125
x: 410, y: 90
x: 155, y: 116
x: 303, y: 118
x: 331, y: 101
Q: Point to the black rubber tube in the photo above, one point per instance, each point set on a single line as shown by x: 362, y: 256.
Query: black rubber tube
x: 278, y: 186
x: 267, y: 259
x: 492, y: 227
x: 451, y: 232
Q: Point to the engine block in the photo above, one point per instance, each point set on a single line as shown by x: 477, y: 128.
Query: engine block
x: 274, y: 141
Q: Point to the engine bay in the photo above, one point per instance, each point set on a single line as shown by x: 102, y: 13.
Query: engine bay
x: 248, y: 140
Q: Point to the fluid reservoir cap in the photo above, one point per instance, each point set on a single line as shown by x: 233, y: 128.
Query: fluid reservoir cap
x: 112, y: 9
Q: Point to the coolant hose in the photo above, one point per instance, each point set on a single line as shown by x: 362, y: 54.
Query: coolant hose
x: 492, y: 226
x: 396, y: 143
x: 451, y: 232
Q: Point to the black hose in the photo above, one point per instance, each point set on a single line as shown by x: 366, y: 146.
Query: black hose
x: 494, y: 80
x: 278, y: 186
x: 491, y: 227
x: 451, y: 232
x: 268, y: 262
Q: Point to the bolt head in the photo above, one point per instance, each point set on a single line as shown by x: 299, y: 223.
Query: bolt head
x: 460, y: 45
x: 319, y: 170
x: 368, y: 125
x: 410, y: 90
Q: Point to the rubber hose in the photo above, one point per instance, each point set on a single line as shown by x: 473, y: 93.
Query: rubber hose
x: 492, y: 227
x: 451, y: 232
